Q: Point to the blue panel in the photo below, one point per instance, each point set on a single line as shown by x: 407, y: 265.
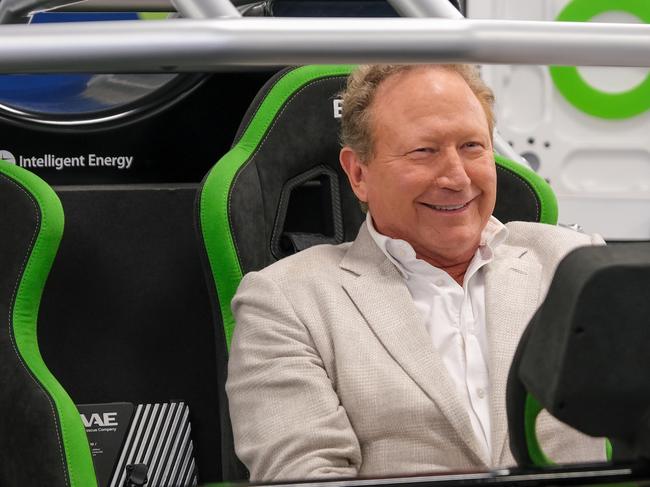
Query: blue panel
x: 53, y: 17
x: 55, y: 93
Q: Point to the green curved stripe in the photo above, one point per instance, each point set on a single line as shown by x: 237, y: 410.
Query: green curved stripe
x: 215, y: 223
x: 531, y: 411
x: 581, y: 94
x: 599, y: 103
x: 25, y: 315
x: 609, y: 451
x: 545, y: 195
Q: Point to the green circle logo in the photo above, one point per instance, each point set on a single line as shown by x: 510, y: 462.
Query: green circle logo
x: 581, y: 94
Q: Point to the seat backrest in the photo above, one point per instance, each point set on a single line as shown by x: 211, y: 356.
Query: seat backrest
x: 42, y: 439
x: 281, y: 189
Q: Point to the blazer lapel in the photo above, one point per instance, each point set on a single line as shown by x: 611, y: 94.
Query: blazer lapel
x: 379, y: 292
x: 512, y: 285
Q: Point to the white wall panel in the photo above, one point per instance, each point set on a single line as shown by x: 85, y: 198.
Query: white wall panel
x: 598, y: 167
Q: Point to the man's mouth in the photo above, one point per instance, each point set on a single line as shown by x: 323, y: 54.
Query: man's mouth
x: 449, y: 208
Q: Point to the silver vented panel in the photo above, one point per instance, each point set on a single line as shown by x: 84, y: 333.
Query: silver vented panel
x: 158, y: 436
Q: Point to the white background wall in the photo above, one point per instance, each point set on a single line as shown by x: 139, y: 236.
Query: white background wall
x: 598, y: 168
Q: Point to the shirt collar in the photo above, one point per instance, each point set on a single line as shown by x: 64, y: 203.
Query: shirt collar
x: 402, y: 254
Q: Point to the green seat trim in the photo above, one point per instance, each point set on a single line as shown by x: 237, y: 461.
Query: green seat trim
x: 24, y: 321
x: 548, y: 211
x: 215, y: 195
x: 532, y: 409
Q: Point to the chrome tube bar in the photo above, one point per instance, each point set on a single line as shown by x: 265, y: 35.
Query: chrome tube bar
x: 426, y: 8
x: 210, y: 45
x: 205, y: 9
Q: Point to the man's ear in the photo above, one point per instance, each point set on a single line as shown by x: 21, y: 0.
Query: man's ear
x: 356, y: 172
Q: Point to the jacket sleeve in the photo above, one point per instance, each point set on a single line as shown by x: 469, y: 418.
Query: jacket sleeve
x: 563, y: 444
x: 287, y: 419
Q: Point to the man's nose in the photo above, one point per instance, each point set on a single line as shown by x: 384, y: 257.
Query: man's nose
x: 452, y: 173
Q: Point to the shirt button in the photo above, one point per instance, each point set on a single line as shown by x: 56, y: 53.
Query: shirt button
x: 440, y: 282
x: 481, y: 393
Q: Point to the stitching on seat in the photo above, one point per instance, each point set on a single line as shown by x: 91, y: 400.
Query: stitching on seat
x: 9, y: 321
x: 535, y: 196
x: 259, y: 147
x: 259, y: 105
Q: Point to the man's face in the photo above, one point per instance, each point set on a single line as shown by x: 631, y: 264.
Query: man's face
x: 431, y: 179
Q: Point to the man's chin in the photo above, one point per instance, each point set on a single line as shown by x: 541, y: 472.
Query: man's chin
x: 453, y: 244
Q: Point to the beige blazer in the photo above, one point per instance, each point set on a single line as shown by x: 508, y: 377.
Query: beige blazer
x: 332, y: 372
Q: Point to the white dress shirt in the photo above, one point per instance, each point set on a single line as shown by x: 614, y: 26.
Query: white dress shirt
x: 454, y: 316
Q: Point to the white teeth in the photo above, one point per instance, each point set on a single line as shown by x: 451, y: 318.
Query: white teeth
x: 447, y: 207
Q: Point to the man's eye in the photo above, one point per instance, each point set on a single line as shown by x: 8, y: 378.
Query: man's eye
x: 421, y: 150
x: 421, y: 153
x: 472, y: 145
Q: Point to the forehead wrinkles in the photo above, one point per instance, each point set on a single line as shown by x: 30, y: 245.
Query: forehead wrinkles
x: 431, y: 106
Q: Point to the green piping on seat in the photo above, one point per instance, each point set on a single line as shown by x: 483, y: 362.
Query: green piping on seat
x: 547, y: 200
x: 531, y: 411
x: 215, y: 195
x: 24, y: 320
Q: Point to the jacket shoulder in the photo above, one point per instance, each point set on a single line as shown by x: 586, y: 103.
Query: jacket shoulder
x: 544, y: 244
x: 308, y: 264
x: 548, y: 244
x: 533, y: 235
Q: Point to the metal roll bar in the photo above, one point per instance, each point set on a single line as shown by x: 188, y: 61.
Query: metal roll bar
x: 182, y: 45
x: 426, y: 8
x: 205, y: 9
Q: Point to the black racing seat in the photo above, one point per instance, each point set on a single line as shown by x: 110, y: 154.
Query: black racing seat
x: 125, y: 316
x: 42, y: 439
x: 281, y: 189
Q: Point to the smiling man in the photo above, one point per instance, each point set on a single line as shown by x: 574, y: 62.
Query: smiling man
x: 428, y: 171
x: 389, y: 355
